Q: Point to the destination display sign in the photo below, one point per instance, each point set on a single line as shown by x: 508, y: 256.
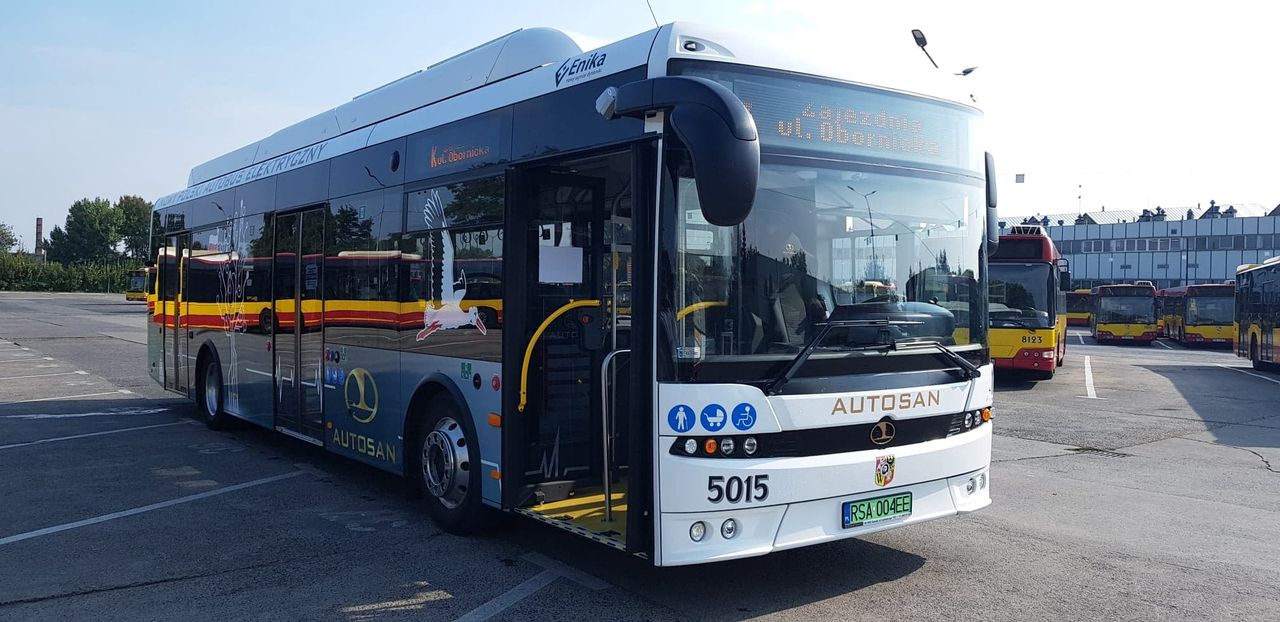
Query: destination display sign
x: 460, y: 146
x: 804, y: 114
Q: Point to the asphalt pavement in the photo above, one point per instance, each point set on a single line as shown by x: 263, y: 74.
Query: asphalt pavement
x: 1141, y: 483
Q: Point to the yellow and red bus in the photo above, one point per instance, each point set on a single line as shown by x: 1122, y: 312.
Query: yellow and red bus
x: 1199, y: 314
x: 136, y: 289
x: 1124, y: 312
x: 1028, y: 302
x: 1079, y: 306
x: 1257, y: 316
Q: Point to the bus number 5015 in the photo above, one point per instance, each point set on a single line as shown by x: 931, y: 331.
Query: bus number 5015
x: 737, y: 489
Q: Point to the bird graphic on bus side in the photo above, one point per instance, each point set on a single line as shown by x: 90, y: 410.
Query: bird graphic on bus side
x: 445, y: 311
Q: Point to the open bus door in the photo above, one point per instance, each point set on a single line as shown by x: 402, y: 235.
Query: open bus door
x: 573, y: 433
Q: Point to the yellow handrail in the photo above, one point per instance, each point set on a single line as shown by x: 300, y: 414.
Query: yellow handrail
x: 528, y: 351
x: 699, y: 306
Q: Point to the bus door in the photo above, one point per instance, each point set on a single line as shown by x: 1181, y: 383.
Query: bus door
x: 172, y: 301
x: 566, y: 440
x: 296, y: 314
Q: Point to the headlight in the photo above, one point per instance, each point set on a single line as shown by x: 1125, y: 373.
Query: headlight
x: 697, y: 531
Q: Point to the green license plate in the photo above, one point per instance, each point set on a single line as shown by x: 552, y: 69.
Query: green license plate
x: 869, y: 511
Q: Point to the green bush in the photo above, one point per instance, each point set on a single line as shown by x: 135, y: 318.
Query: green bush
x: 20, y: 273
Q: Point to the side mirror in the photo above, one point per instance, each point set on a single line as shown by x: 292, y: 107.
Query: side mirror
x: 993, y: 231
x: 1064, y: 275
x: 716, y: 128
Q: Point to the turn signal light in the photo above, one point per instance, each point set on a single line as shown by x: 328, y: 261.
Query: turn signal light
x: 709, y: 446
x: 986, y: 414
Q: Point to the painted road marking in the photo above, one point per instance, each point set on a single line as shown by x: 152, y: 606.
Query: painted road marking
x: 28, y: 360
x: 1080, y: 337
x: 552, y: 570
x: 65, y: 373
x: 1247, y: 373
x: 1161, y: 343
x: 110, y: 412
x: 146, y: 508
x: 1088, y: 380
x: 69, y: 438
x: 66, y: 397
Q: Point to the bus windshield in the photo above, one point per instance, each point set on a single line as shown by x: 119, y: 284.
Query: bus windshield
x: 826, y: 243
x: 1210, y: 310
x: 137, y: 282
x: 1077, y: 303
x: 1126, y: 310
x: 1019, y: 295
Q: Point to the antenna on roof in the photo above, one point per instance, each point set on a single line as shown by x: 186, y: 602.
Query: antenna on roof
x: 652, y: 14
x: 921, y: 41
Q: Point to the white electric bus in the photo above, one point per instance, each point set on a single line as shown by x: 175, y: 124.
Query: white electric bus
x: 627, y: 292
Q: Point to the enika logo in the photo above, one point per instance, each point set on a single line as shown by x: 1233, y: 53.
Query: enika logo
x: 576, y: 69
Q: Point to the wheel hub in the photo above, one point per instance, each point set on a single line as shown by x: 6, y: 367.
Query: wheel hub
x: 446, y: 463
x: 212, y: 387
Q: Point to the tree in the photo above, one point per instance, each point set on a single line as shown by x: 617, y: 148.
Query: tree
x: 133, y: 214
x: 90, y: 236
x: 8, y: 239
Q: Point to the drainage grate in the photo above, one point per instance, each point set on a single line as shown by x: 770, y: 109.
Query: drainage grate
x: 1094, y: 451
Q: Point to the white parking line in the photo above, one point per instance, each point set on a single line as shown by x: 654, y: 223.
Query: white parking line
x: 69, y: 438
x: 146, y: 508
x: 1088, y: 380
x: 1248, y: 373
x: 553, y: 570
x: 28, y: 360
x: 65, y: 373
x: 1161, y: 343
x: 1080, y: 336
x: 66, y: 397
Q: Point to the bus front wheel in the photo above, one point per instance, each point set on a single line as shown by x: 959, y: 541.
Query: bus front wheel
x: 1255, y: 356
x: 447, y: 469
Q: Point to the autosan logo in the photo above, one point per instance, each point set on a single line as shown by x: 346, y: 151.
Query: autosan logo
x: 576, y: 69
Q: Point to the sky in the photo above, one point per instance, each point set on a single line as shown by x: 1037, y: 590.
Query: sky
x: 1129, y: 105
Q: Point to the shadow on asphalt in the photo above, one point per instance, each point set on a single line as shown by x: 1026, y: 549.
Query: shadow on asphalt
x: 1228, y: 401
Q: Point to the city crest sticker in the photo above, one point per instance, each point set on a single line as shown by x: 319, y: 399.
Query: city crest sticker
x: 884, y: 470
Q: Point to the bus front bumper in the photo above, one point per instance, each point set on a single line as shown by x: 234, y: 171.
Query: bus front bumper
x: 1029, y: 359
x: 964, y: 460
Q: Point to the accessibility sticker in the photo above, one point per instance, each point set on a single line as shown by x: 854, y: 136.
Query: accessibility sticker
x: 680, y: 418
x: 744, y: 416
x: 714, y: 417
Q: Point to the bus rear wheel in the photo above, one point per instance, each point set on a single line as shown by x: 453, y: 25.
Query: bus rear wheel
x: 209, y: 393
x: 1255, y: 356
x: 448, y: 471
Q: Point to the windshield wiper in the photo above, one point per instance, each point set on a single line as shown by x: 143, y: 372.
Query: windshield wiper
x: 888, y: 344
x: 968, y: 370
x: 1016, y: 320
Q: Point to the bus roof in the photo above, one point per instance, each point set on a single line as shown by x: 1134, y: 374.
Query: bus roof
x: 1272, y: 262
x: 1026, y: 243
x: 1218, y: 289
x: 520, y: 66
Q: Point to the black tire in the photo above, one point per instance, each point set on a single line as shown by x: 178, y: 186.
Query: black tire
x: 446, y: 469
x: 1041, y: 374
x: 267, y: 321
x: 1255, y: 356
x: 1062, y: 351
x: 210, y: 394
